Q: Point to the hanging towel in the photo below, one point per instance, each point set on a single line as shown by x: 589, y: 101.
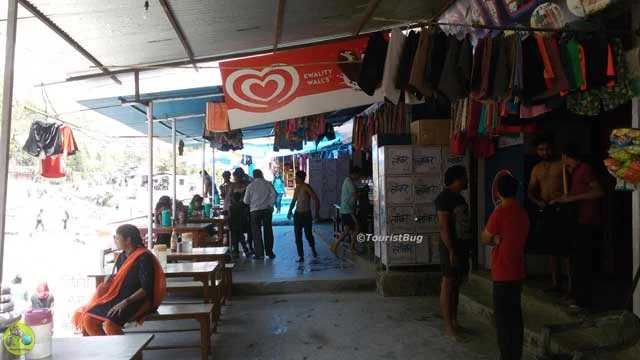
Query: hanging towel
x: 217, y: 117
x: 391, y: 65
x: 373, y: 63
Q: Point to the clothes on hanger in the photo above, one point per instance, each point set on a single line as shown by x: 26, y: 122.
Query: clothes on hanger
x: 373, y: 63
x: 392, y: 64
x: 225, y: 141
x: 217, y: 118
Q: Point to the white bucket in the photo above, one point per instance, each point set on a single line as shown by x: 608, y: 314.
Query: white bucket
x: 42, y: 341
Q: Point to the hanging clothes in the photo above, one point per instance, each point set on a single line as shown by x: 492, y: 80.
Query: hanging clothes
x: 373, y: 63
x: 592, y: 102
x: 453, y: 86
x: 532, y: 70
x: 51, y: 167
x: 406, y: 61
x: 417, y: 84
x: 217, y: 117
x: 44, y: 138
x: 225, y: 141
x: 392, y: 64
x: 437, y: 55
x: 54, y: 166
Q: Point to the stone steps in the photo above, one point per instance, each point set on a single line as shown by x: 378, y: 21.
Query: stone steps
x: 538, y: 312
x: 303, y: 286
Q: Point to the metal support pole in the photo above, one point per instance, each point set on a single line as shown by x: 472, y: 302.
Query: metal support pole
x: 204, y: 157
x: 213, y: 176
x: 175, y: 168
x: 5, y: 129
x: 150, y: 143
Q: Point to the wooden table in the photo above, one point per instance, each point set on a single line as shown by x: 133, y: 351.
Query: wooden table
x: 127, y: 347
x: 200, y: 271
x: 216, y: 253
x: 198, y: 231
x: 219, y: 221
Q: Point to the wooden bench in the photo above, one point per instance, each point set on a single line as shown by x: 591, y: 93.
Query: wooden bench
x: 227, y: 276
x: 195, y: 288
x: 203, y: 313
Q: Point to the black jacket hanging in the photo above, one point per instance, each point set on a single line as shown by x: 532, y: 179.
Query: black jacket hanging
x: 43, y: 138
x: 373, y: 64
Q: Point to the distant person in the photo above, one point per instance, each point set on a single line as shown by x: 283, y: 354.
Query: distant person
x: 507, y: 230
x: 164, y: 203
x: 42, y: 299
x: 455, y: 245
x: 65, y: 218
x: 208, y: 184
x: 278, y: 184
x: 303, y: 219
x: 226, y: 181
x: 546, y: 186
x: 260, y: 196
x: 238, y: 213
x: 39, y: 222
x: 347, y: 210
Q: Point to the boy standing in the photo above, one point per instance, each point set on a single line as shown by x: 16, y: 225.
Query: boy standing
x: 507, y: 231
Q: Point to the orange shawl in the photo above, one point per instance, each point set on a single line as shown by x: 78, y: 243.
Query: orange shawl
x: 107, y: 292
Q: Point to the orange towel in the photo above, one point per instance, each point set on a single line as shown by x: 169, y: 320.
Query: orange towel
x: 217, y: 117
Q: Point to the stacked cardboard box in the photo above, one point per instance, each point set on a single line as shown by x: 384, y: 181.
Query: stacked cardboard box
x: 407, y: 180
x: 325, y: 177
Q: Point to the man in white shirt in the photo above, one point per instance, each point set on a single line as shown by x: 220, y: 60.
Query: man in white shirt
x: 261, y: 196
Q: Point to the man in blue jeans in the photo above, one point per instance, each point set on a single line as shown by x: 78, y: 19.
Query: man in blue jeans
x: 303, y: 218
x: 261, y: 196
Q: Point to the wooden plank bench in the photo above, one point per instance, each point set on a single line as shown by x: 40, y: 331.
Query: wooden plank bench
x: 203, y: 313
x: 195, y: 288
x: 227, y: 276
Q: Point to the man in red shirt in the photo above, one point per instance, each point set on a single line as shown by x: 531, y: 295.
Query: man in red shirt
x: 586, y: 193
x: 507, y: 231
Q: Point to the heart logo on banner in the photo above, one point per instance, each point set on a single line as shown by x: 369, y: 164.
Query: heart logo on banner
x: 265, y: 90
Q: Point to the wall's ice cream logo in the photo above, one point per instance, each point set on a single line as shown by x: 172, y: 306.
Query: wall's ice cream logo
x: 263, y: 91
x: 19, y: 339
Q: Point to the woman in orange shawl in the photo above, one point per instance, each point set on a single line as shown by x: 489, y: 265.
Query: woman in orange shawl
x: 136, y: 290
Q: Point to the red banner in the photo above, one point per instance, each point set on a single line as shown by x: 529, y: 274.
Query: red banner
x: 294, y: 83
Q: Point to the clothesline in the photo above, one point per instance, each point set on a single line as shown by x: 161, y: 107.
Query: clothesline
x: 426, y: 23
x: 147, y: 67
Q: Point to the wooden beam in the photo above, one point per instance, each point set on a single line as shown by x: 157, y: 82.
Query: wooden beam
x: 278, y: 33
x: 74, y: 44
x: 178, y: 30
x: 373, y: 5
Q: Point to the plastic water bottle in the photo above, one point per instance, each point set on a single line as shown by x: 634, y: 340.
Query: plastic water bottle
x: 174, y: 241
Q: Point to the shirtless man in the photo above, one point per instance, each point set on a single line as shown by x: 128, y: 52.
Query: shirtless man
x: 545, y: 186
x: 302, y: 197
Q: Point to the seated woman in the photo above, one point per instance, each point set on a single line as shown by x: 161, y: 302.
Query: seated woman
x: 42, y: 299
x: 196, y: 202
x: 136, y: 290
x: 164, y: 203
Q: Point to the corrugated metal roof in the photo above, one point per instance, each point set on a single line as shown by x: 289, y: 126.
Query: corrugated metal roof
x: 121, y: 33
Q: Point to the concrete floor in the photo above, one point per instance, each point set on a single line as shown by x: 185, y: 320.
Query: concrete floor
x: 285, y: 269
x: 347, y: 325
